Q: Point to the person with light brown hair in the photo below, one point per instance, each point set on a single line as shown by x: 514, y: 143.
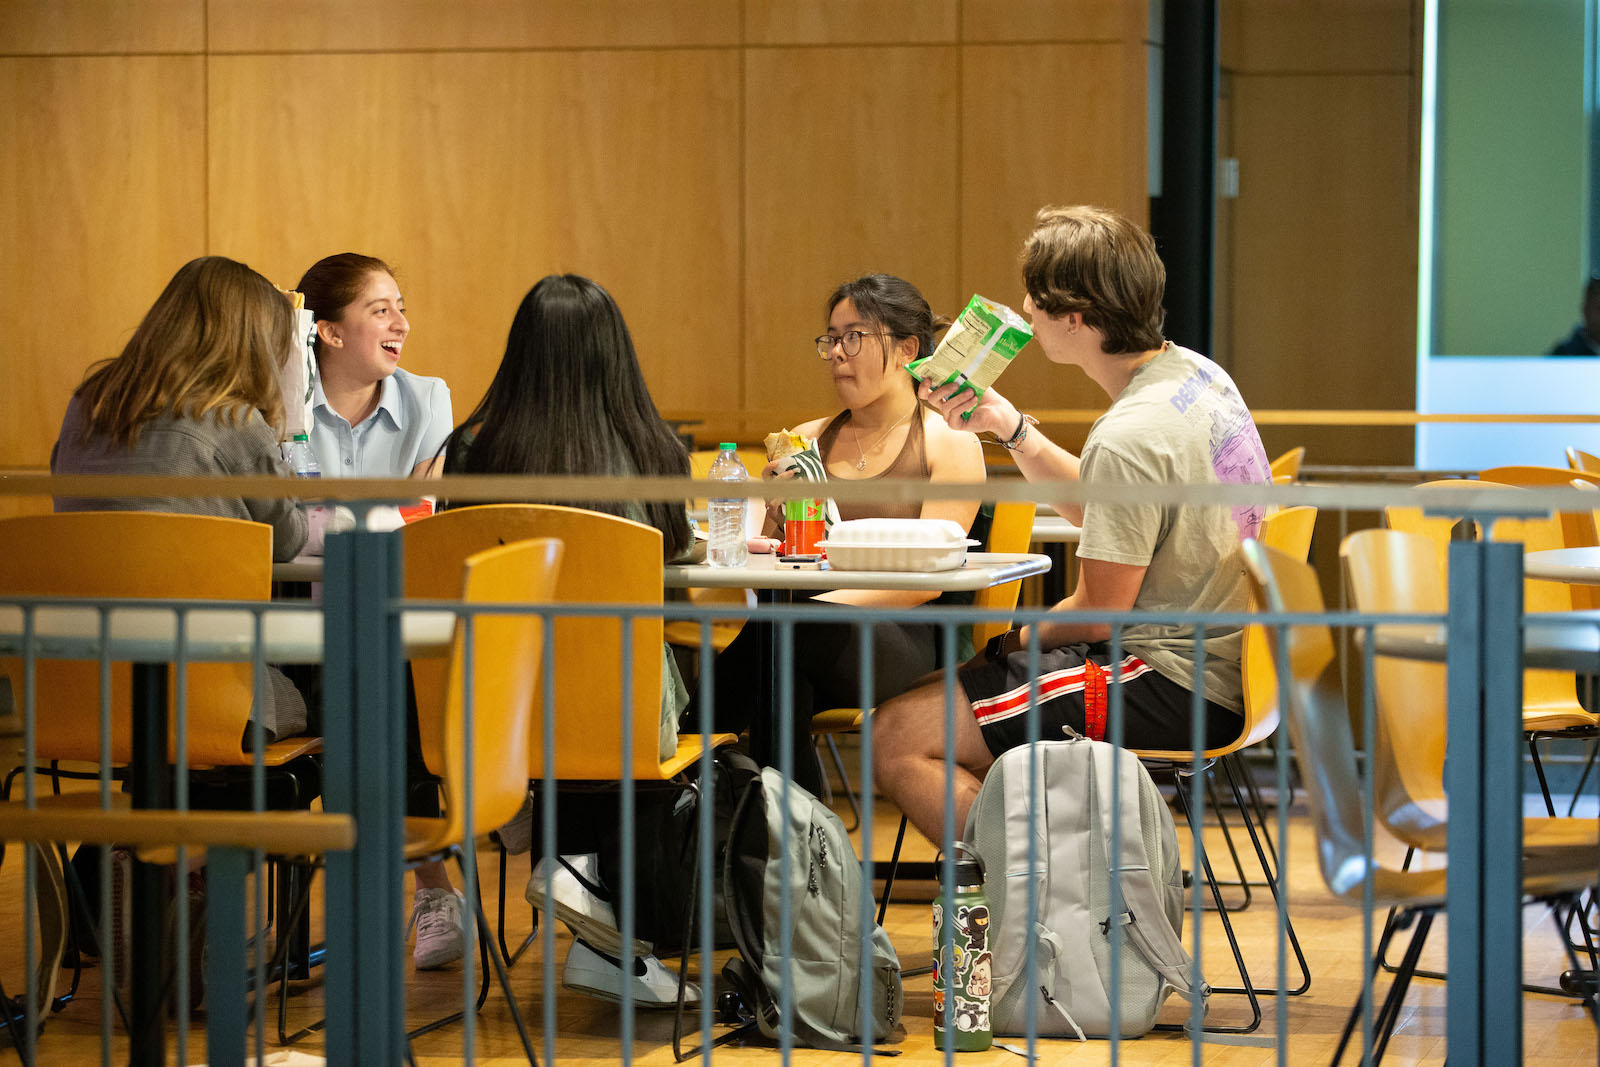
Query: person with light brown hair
x: 1094, y: 287
x: 195, y: 392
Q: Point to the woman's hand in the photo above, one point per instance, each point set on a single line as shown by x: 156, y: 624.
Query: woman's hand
x: 776, y: 470
x: 994, y: 413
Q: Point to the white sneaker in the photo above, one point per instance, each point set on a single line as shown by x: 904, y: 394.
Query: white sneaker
x: 599, y: 975
x: 436, y: 917
x: 588, y: 916
x: 517, y: 835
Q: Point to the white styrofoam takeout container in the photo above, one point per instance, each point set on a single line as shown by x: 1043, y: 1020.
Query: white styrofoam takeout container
x: 897, y: 545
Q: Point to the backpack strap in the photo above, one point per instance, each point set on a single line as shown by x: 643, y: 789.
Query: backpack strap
x: 1047, y: 981
x: 1153, y: 937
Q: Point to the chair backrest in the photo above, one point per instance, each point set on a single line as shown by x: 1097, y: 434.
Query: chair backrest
x: 1580, y: 460
x: 136, y: 554
x: 1289, y: 463
x: 1011, y: 530
x: 1575, y: 526
x: 1319, y: 724
x: 506, y: 655
x: 1393, y: 571
x: 605, y: 560
x: 1288, y: 531
x: 700, y: 461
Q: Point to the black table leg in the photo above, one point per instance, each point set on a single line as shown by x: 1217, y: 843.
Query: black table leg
x: 152, y: 788
x: 1055, y: 579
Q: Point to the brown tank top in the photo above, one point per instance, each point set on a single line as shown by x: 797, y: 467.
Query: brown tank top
x: 912, y: 462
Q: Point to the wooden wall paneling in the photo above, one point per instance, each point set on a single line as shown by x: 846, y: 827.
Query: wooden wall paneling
x: 849, y: 22
x: 475, y: 175
x: 1052, y: 20
x: 1324, y: 239
x: 1317, y: 36
x: 427, y: 25
x: 103, y: 166
x: 850, y: 168
x: 1043, y: 124
x: 75, y: 27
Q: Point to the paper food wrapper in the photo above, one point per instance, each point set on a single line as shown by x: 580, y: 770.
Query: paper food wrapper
x: 299, y: 371
x: 808, y: 466
x: 977, y: 349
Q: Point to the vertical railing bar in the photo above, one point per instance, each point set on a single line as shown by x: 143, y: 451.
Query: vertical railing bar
x: 108, y: 955
x: 30, y: 714
x: 626, y: 620
x: 707, y: 841
x: 1197, y: 824
x: 1280, y: 753
x: 786, y: 755
x: 947, y: 867
x: 469, y: 852
x: 180, y: 793
x: 1030, y: 965
x: 1116, y: 735
x: 1369, y: 742
x: 258, y: 801
x: 547, y: 826
x: 868, y: 872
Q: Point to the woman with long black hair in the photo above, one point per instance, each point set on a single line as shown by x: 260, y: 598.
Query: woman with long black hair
x: 569, y: 398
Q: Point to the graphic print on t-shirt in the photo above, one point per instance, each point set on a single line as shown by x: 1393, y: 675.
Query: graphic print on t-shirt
x: 1237, y: 455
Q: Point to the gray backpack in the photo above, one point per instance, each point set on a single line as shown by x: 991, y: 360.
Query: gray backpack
x: 1071, y: 875
x: 826, y: 942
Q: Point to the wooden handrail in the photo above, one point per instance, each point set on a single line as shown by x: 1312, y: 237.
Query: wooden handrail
x: 284, y: 833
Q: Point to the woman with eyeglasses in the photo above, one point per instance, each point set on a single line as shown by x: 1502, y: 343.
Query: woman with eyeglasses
x: 876, y: 325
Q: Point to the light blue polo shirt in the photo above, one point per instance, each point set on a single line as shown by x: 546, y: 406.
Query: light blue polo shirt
x: 408, y: 426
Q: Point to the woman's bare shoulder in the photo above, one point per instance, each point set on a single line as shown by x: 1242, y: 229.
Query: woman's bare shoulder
x: 950, y: 449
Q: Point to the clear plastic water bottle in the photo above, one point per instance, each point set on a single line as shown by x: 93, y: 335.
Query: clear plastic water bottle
x: 301, y: 459
x: 727, y: 547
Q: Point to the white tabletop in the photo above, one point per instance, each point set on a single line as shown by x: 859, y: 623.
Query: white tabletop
x: 299, y: 569
x: 1556, y: 640
x: 149, y: 635
x: 1580, y: 566
x: 1053, y: 529
x: 982, y: 570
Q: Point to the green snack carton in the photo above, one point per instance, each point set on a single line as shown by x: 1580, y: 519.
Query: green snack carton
x: 978, y: 347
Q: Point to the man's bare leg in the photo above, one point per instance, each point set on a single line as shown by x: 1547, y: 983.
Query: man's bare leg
x: 909, y: 755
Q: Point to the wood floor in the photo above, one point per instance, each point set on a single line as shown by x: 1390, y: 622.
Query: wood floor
x: 1556, y: 1030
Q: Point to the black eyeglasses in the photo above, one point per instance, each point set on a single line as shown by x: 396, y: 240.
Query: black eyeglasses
x: 849, y: 341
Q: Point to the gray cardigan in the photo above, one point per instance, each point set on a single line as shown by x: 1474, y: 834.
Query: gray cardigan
x: 176, y: 446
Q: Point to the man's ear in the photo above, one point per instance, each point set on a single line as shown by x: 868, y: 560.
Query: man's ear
x: 328, y: 334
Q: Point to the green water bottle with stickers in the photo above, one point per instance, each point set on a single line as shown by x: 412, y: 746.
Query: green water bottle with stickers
x: 963, y: 969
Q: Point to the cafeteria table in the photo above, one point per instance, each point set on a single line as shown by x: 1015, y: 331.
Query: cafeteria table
x: 1577, y: 566
x: 147, y: 638
x: 772, y: 585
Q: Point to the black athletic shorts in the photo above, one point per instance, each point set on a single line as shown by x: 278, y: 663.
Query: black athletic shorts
x: 1074, y: 690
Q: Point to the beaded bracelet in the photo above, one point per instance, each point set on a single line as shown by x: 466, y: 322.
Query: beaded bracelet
x: 1021, y: 435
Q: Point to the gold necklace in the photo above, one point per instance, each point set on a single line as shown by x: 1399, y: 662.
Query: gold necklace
x: 862, y: 465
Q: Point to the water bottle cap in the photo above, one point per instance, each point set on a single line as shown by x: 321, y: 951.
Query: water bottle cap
x: 727, y: 446
x: 300, y: 437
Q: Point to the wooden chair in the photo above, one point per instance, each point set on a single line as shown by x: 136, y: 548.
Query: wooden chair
x: 1580, y: 460
x: 142, y: 555
x: 1319, y: 725
x: 498, y: 691
x: 606, y: 560
x: 1288, y: 464
x: 1288, y: 531
x: 1575, y: 526
x: 1549, y: 698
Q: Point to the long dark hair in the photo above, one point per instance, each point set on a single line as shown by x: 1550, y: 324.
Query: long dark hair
x: 569, y: 398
